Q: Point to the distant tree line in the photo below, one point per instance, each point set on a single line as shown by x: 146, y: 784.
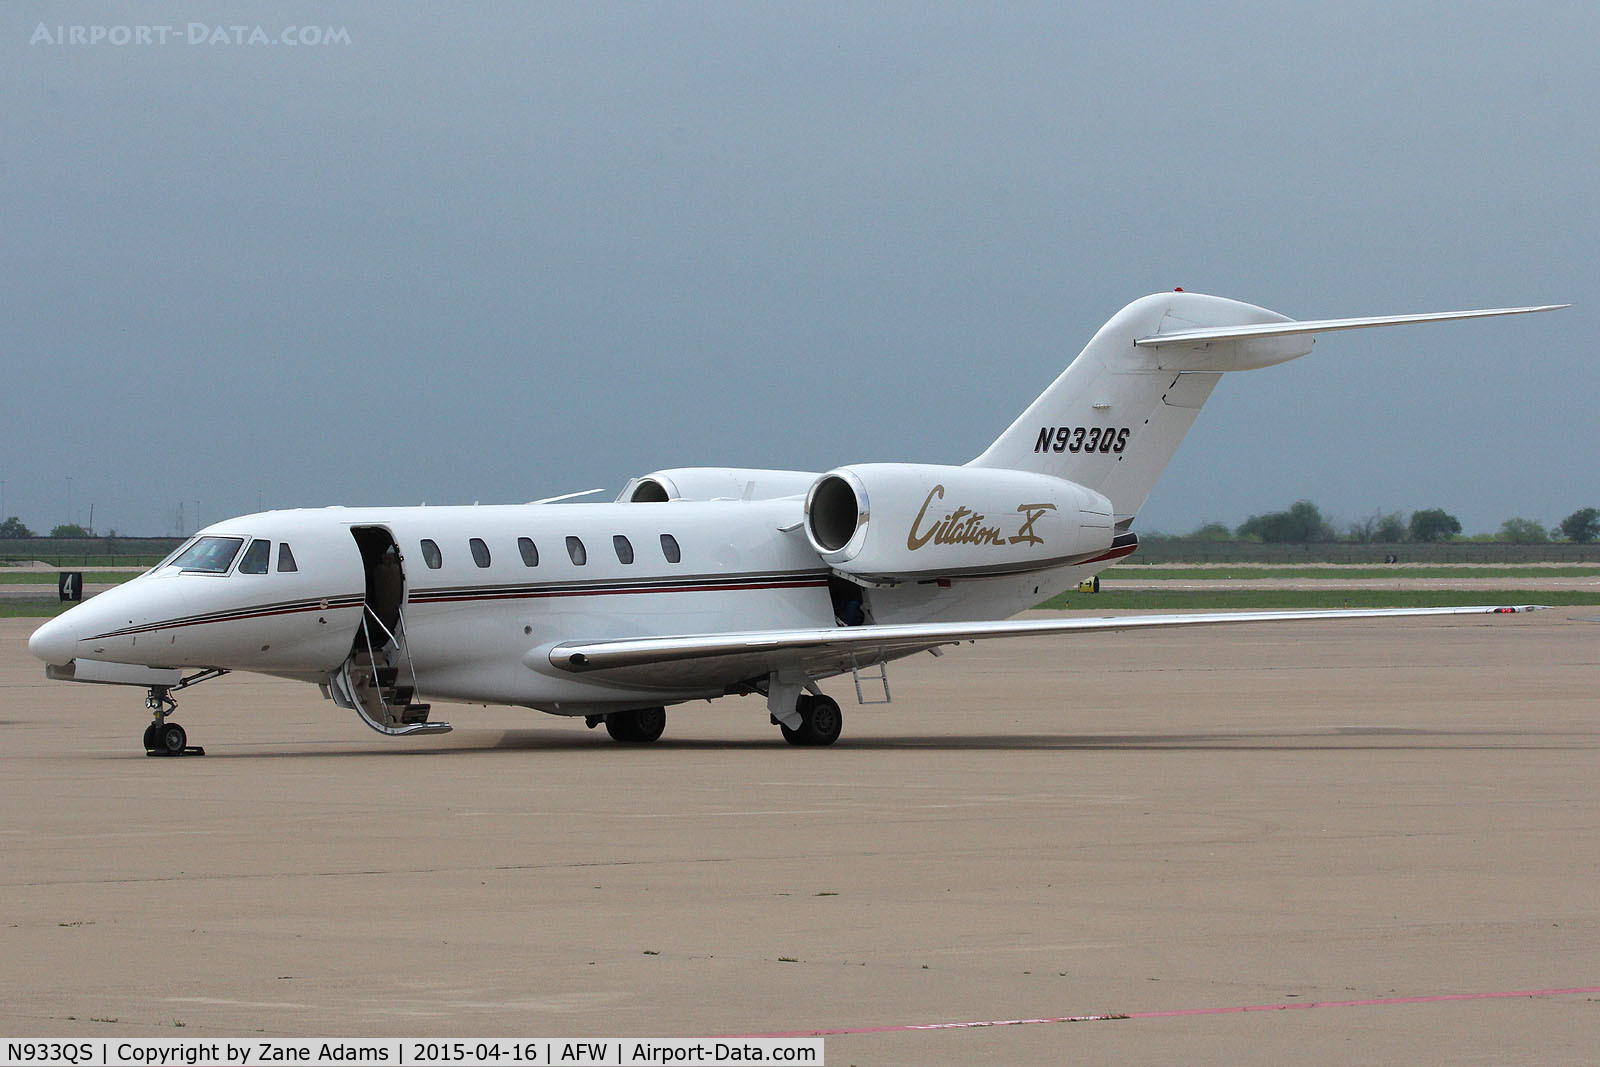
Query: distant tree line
x: 14, y: 528
x: 1303, y: 523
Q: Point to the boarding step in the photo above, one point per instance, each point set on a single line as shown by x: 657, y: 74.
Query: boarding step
x: 414, y: 714
x: 383, y: 705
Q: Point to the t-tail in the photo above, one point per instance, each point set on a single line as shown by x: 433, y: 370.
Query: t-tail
x: 1115, y: 416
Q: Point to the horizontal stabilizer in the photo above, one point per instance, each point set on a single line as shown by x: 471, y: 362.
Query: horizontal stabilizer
x: 1206, y: 334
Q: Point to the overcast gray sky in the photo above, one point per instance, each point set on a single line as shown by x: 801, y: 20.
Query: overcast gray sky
x: 535, y: 248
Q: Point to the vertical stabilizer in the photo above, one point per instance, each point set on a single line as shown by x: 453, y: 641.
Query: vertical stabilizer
x: 1116, y: 415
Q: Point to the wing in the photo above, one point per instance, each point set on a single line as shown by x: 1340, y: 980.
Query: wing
x: 716, y: 660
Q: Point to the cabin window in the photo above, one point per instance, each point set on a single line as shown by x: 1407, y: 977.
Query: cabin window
x: 480, y: 552
x: 669, y: 548
x: 430, y: 554
x: 579, y: 554
x: 209, y: 555
x: 285, y: 558
x: 529, y: 550
x: 624, y: 549
x: 256, y: 557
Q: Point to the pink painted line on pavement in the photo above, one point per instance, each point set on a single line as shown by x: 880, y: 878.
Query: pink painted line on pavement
x: 1238, y: 1009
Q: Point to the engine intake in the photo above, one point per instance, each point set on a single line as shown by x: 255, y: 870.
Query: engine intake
x: 836, y: 508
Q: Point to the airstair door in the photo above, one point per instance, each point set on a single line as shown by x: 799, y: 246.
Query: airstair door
x: 378, y: 679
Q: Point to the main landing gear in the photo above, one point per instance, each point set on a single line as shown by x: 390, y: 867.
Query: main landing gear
x: 163, y: 738
x: 820, y: 721
x: 637, y: 727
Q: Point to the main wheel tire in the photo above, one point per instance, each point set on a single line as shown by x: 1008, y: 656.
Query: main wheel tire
x: 824, y: 723
x: 640, y: 726
x: 649, y: 724
x: 152, y: 738
x: 173, y: 740
x: 820, y: 722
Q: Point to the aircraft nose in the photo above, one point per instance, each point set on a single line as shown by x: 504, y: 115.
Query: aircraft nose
x: 56, y: 642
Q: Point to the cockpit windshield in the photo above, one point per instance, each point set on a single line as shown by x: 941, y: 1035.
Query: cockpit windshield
x: 174, y: 554
x: 208, y: 555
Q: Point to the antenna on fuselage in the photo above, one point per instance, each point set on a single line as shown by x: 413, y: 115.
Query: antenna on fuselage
x: 566, y: 496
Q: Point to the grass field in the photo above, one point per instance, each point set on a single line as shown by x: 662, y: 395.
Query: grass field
x: 1162, y: 551
x: 1308, y: 599
x: 49, y: 577
x: 80, y: 561
x: 31, y: 609
x: 1245, y: 572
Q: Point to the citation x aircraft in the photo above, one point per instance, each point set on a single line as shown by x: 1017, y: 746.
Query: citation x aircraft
x: 700, y: 582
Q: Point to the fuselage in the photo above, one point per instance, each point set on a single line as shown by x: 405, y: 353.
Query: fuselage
x: 473, y: 593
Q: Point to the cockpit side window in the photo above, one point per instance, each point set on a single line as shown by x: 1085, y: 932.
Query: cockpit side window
x: 430, y: 554
x: 285, y: 558
x: 256, y: 557
x: 209, y: 555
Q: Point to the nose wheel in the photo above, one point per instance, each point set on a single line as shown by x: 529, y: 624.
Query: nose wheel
x: 163, y: 738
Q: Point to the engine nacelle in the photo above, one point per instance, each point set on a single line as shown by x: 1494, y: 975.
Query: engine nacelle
x: 894, y: 522
x: 715, y: 483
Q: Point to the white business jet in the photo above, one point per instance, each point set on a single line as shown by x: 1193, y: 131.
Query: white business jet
x: 696, y: 582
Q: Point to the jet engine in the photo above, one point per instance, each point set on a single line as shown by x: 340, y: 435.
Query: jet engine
x: 715, y: 483
x: 884, y: 523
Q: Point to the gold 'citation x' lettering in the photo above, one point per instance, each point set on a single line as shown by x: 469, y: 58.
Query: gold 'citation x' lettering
x: 1032, y: 513
x: 963, y: 526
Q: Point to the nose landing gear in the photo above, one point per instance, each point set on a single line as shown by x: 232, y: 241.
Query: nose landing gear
x: 163, y: 738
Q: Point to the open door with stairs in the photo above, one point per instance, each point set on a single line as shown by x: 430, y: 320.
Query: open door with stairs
x: 378, y: 679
